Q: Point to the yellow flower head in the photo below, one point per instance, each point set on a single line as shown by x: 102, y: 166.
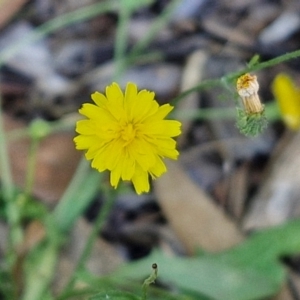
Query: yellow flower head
x: 288, y: 99
x: 127, y: 135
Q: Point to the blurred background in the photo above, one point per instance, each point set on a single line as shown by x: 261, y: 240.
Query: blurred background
x: 54, y: 54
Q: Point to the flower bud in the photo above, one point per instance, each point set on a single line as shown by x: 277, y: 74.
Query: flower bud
x: 251, y: 120
x: 247, y: 87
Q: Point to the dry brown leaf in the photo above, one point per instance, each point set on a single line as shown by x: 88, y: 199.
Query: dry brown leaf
x: 8, y: 8
x: 56, y: 162
x: 197, y: 221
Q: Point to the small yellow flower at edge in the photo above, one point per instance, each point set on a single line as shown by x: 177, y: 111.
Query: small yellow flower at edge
x: 288, y: 99
x: 126, y: 134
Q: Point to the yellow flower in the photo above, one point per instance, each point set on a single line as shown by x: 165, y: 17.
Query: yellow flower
x: 127, y: 135
x: 288, y: 99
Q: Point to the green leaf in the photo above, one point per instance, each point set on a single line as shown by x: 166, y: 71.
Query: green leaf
x: 114, y: 295
x: 39, y: 270
x: 251, y: 270
x: 253, y: 61
x: 79, y: 194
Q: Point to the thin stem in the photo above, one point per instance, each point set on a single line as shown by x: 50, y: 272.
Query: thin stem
x: 231, y: 76
x: 6, y: 175
x: 98, y: 225
x: 55, y: 24
x: 16, y: 209
x: 159, y: 23
x: 270, y: 63
x: 209, y: 83
x: 77, y: 196
x: 223, y: 113
x: 32, y: 158
x: 121, y: 40
x: 151, y: 279
x: 11, y: 207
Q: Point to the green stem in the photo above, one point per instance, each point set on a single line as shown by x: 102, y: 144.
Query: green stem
x: 223, y: 113
x: 80, y: 192
x: 6, y: 175
x: 39, y: 271
x: 21, y: 199
x: 121, y: 40
x: 270, y: 63
x: 158, y: 24
x: 31, y: 168
x: 209, y: 83
x: 15, y: 208
x: 11, y: 206
x: 98, y: 225
x: 64, y: 20
x: 151, y: 279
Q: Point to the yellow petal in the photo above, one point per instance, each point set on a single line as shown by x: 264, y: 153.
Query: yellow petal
x: 114, y: 94
x: 90, y: 111
x: 169, y: 128
x: 140, y: 181
x: 83, y: 142
x: 86, y: 127
x: 166, y: 148
x: 144, y: 153
x: 99, y: 99
x: 145, y: 106
x: 128, y: 167
x: 112, y: 155
x: 158, y: 169
x: 115, y: 100
x: 115, y: 176
x: 130, y: 99
x: 160, y: 114
x: 93, y: 112
x: 97, y: 162
x: 172, y: 154
x: 91, y: 152
x: 288, y: 99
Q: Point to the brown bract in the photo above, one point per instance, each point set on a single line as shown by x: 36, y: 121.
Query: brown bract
x: 247, y: 87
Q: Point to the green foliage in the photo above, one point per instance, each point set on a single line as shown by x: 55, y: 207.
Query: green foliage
x: 253, y: 61
x: 251, y: 124
x: 7, y: 289
x: 151, y: 279
x: 251, y: 270
x: 39, y: 270
x: 114, y: 295
x: 39, y: 129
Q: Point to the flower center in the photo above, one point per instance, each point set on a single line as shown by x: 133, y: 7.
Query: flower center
x: 128, y: 133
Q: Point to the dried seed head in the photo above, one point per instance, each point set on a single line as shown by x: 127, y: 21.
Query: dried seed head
x: 247, y: 87
x: 251, y: 120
